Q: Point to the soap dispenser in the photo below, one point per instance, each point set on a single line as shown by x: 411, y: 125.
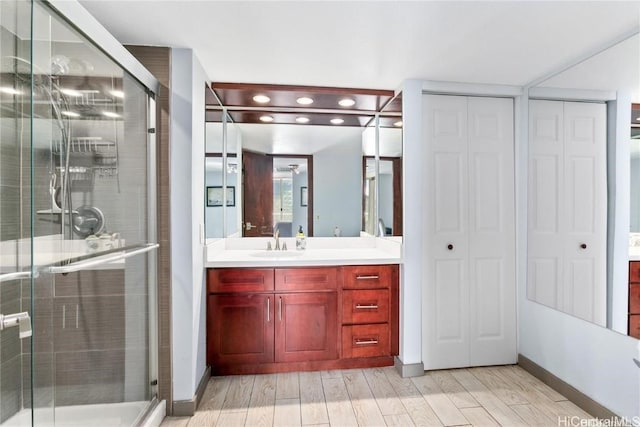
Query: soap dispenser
x: 301, y: 241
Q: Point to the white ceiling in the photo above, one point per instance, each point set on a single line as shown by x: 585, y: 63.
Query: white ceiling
x: 371, y: 44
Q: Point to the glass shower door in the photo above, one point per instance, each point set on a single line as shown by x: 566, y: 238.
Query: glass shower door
x: 16, y: 229
x: 77, y: 228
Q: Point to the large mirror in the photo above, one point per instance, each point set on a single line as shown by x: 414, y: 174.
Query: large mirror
x: 583, y: 204
x: 291, y: 168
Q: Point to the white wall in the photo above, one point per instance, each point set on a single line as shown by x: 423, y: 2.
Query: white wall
x: 213, y: 214
x: 187, y: 222
x: 337, y: 189
x: 411, y: 270
x: 299, y: 212
x: 385, y: 191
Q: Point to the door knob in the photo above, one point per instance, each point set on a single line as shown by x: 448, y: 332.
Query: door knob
x: 450, y: 246
x: 583, y: 246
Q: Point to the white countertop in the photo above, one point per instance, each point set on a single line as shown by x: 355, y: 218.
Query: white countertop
x: 634, y: 253
x: 251, y: 252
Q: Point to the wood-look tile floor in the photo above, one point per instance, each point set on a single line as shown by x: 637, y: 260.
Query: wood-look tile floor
x: 489, y: 396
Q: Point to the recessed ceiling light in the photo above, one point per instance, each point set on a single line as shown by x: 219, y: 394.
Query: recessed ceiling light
x: 302, y: 119
x: 304, y: 100
x: 347, y: 102
x: 398, y: 123
x: 266, y: 119
x: 10, y: 90
x: 70, y: 113
x: 71, y: 92
x: 261, y: 99
x: 117, y: 93
x: 638, y: 119
x: 110, y: 114
x: 337, y: 121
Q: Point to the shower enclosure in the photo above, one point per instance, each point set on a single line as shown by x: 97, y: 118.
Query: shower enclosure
x: 77, y: 225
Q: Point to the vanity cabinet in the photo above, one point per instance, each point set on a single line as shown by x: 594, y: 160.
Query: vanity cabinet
x: 367, y: 319
x: 634, y: 299
x: 262, y: 320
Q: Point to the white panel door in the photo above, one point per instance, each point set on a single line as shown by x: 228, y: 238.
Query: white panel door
x: 585, y: 206
x: 567, y: 245
x: 492, y: 309
x: 546, y: 182
x: 446, y: 296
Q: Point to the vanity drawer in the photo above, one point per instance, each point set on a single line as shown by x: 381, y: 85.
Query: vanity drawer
x: 634, y: 326
x: 306, y: 279
x: 365, y: 306
x: 365, y: 340
x: 239, y: 279
x: 634, y: 298
x: 634, y: 271
x: 368, y: 276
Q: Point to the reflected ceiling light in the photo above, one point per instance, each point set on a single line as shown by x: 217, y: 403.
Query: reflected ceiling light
x: 302, y: 119
x: 337, y: 121
x: 10, y: 90
x: 294, y: 168
x: 110, y: 114
x: 261, y: 99
x: 638, y: 119
x: 71, y: 92
x: 398, y: 124
x: 347, y: 102
x: 70, y: 113
x: 266, y: 119
x: 304, y: 100
x: 232, y: 168
x: 117, y: 93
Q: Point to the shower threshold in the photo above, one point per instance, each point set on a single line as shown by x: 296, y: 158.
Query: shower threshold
x: 123, y: 414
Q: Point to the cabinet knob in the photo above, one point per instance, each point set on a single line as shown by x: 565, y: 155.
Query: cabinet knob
x: 583, y: 246
x: 450, y: 246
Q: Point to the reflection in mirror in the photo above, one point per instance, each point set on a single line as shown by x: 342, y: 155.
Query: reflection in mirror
x: 221, y: 207
x: 571, y: 257
x: 382, y: 172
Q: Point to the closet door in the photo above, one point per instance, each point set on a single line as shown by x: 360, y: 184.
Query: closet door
x: 568, y: 207
x: 546, y: 185
x: 446, y: 298
x: 585, y: 206
x: 492, y: 308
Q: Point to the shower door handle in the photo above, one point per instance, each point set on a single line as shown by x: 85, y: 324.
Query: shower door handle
x: 103, y: 259
x: 22, y: 320
x: 15, y: 276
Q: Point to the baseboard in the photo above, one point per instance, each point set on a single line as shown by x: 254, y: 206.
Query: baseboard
x: 186, y: 408
x: 408, y: 370
x: 586, y: 403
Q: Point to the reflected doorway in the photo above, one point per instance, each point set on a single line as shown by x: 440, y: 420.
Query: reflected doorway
x: 278, y: 194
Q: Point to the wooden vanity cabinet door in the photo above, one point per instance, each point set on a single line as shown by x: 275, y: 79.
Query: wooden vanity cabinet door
x: 240, y: 329
x: 368, y: 276
x: 306, y: 326
x: 634, y: 325
x: 240, y: 279
x: 365, y: 306
x: 306, y: 279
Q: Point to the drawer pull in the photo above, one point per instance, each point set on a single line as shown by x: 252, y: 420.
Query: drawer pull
x: 366, y: 341
x: 366, y: 307
x: 280, y: 308
x: 373, y: 277
x: 268, y: 309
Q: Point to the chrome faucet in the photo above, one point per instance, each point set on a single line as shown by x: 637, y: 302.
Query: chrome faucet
x: 381, y: 228
x: 276, y: 234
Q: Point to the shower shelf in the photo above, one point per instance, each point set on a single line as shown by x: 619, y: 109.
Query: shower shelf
x: 104, y: 156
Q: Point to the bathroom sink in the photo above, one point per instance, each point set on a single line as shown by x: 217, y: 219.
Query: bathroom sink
x: 277, y: 254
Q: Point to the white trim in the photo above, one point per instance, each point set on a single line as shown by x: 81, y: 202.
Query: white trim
x: 84, y: 22
x: 561, y: 94
x: 470, y: 89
